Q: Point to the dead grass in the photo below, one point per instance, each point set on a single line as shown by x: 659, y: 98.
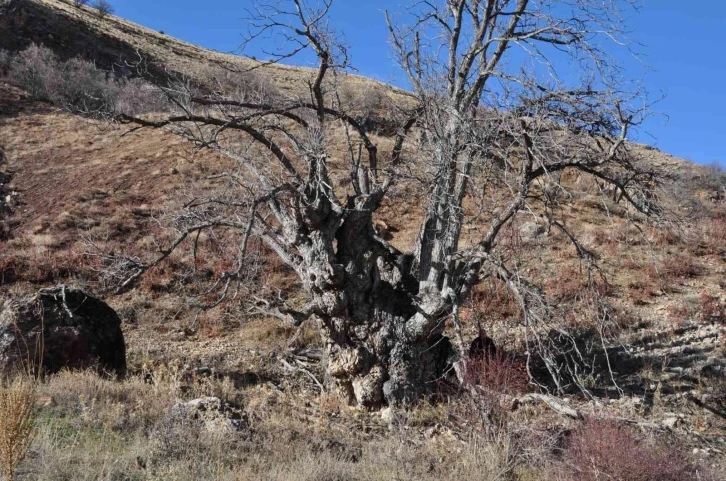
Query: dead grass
x: 118, y: 430
x: 17, y: 412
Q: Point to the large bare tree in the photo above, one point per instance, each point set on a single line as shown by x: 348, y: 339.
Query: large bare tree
x: 506, y: 96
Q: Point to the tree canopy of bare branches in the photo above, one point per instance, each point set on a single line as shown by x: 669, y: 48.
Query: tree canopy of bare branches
x: 506, y: 96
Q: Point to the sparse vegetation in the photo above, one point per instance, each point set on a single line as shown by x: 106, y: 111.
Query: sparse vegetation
x: 76, y: 85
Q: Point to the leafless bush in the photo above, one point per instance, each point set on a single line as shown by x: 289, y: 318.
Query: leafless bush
x: 83, y: 88
x: 77, y: 85
x: 712, y: 308
x: 600, y: 449
x: 363, y: 101
x: 35, y: 70
x: 680, y: 267
x: 135, y: 96
x: 710, y: 178
x: 80, y: 3
x: 250, y: 85
x: 103, y: 8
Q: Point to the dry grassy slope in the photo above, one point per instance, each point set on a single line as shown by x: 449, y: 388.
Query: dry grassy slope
x: 77, y: 176
x: 72, y: 31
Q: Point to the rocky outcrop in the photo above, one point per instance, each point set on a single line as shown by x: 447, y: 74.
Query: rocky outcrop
x: 59, y: 328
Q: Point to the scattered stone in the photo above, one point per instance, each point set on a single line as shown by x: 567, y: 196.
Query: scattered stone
x: 209, y: 413
x: 671, y: 422
x: 432, y: 431
x: 60, y: 327
x: 531, y: 230
x: 387, y: 415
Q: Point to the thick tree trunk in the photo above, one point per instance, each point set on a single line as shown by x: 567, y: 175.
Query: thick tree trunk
x: 380, y: 347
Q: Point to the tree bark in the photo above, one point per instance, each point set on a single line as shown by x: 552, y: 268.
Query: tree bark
x: 379, y: 347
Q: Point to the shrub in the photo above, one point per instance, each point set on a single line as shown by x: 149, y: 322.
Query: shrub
x: 680, y: 267
x: 604, y: 449
x: 103, y: 8
x: 36, y: 70
x: 17, y: 402
x: 78, y: 85
x: 712, y: 309
x: 80, y: 3
x: 83, y: 88
x: 500, y: 373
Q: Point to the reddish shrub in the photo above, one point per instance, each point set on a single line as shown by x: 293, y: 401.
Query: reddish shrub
x: 680, y: 267
x: 711, y: 308
x: 607, y: 450
x: 640, y: 292
x: 681, y: 313
x: 500, y: 373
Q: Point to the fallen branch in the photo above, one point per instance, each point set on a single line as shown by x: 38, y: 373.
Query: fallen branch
x: 551, y: 402
x: 305, y: 371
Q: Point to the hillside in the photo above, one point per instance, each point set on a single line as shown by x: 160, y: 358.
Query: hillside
x: 75, y: 182
x: 114, y: 42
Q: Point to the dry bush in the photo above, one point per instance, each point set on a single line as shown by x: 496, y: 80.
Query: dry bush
x: 682, y: 312
x: 85, y: 398
x: 103, y: 8
x: 17, y: 404
x: 36, y: 71
x: 98, y: 429
x: 83, y: 88
x: 364, y: 103
x: 679, y: 267
x: 640, y: 291
x: 712, y: 308
x: 603, y: 449
x: 77, y: 85
x: 40, y: 265
x: 567, y: 284
x: 496, y: 379
x: 501, y: 373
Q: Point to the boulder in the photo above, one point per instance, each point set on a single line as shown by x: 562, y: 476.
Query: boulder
x: 57, y: 328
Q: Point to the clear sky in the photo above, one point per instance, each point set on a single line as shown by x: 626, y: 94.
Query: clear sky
x: 683, y: 46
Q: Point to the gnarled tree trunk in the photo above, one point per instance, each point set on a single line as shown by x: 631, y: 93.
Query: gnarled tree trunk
x: 379, y: 346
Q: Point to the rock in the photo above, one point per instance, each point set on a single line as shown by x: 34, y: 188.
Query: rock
x: 671, y: 422
x: 531, y: 230
x: 208, y: 413
x: 59, y: 328
x: 387, y: 415
x: 432, y: 431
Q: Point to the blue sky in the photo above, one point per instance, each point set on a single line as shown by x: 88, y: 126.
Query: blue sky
x: 683, y: 46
